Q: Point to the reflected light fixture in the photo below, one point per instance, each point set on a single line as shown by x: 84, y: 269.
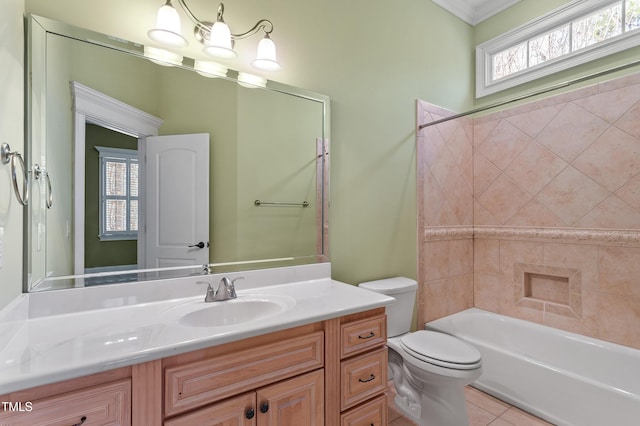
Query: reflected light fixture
x: 210, y: 69
x: 217, y: 38
x: 251, y: 81
x: 162, y: 57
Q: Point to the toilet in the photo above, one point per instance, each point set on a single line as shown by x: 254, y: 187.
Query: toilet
x: 429, y: 369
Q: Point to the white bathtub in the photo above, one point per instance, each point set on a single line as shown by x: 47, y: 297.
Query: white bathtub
x: 564, y: 378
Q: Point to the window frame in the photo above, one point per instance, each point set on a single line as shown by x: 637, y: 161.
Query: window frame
x: 570, y: 12
x: 127, y: 156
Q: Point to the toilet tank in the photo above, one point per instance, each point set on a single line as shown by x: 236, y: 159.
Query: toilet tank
x: 400, y: 312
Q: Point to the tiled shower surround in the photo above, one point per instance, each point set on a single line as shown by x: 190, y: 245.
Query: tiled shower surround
x: 534, y: 212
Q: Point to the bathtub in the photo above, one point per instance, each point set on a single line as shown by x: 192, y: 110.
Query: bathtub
x: 564, y: 378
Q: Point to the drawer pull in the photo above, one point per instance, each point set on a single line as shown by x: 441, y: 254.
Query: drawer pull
x: 369, y: 336
x: 372, y: 377
x: 82, y: 420
x: 264, y: 407
x: 250, y: 413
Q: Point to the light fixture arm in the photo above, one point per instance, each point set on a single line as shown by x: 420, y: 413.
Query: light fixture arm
x: 206, y: 26
x: 260, y: 25
x: 263, y: 24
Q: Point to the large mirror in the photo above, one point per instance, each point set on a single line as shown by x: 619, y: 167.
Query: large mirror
x: 140, y: 170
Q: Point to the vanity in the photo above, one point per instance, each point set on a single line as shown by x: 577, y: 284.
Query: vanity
x: 160, y: 355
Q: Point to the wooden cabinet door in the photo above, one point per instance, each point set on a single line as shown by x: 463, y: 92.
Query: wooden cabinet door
x: 105, y: 404
x: 238, y: 411
x: 294, y: 402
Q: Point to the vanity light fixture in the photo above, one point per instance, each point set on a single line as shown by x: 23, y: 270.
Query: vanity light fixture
x: 216, y: 37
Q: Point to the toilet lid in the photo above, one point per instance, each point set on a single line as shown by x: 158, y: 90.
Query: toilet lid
x: 441, y: 349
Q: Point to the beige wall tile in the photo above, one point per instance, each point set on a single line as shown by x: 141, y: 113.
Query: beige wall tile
x: 611, y: 160
x: 486, y: 257
x: 436, y: 264
x: 618, y: 320
x: 486, y: 290
x: 571, y: 131
x: 435, y: 299
x: 571, y: 195
x: 582, y: 257
x: 503, y: 144
x: 619, y: 269
x: 535, y: 214
x: 503, y: 199
x: 568, y: 161
x: 610, y: 105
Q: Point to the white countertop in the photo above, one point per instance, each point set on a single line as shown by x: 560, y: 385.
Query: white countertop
x: 40, y: 346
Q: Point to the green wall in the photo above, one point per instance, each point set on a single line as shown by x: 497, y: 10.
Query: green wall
x: 102, y: 253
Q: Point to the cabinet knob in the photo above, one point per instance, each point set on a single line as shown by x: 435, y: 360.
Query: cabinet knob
x: 250, y: 413
x: 264, y: 407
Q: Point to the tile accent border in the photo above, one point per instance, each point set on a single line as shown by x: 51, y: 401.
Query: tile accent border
x: 448, y: 233
x: 568, y: 235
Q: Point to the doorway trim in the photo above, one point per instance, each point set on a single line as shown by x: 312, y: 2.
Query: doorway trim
x: 91, y: 106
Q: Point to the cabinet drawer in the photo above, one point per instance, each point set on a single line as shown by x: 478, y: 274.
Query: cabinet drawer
x: 373, y: 413
x: 108, y: 404
x: 232, y: 411
x: 363, y: 377
x: 195, y: 384
x: 360, y: 336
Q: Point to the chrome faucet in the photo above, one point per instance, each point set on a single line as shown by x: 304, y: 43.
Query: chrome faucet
x: 226, y: 290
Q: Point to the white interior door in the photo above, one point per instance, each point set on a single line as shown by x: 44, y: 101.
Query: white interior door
x: 177, y: 200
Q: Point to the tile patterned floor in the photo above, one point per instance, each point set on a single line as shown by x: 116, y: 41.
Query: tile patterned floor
x: 483, y: 410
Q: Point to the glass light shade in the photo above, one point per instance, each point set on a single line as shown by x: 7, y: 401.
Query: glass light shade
x: 219, y: 44
x: 251, y: 81
x: 162, y: 57
x: 210, y: 69
x: 167, y: 30
x: 266, y: 57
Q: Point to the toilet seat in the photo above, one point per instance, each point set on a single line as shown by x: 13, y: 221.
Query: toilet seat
x: 441, y: 349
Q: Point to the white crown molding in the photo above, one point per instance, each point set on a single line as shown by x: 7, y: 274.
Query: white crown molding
x: 475, y: 11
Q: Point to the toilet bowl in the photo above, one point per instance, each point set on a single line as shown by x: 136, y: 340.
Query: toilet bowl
x: 429, y: 369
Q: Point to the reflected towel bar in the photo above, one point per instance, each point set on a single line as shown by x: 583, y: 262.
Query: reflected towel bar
x: 279, y: 203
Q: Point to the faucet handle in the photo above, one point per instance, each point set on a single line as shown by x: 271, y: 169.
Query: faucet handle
x: 232, y: 286
x: 211, y: 293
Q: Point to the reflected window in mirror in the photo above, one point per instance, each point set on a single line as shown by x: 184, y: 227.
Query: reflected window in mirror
x: 118, y: 193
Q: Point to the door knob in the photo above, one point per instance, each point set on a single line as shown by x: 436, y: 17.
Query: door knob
x: 199, y: 245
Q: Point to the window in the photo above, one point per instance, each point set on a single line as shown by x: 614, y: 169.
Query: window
x: 579, y: 32
x: 118, y: 193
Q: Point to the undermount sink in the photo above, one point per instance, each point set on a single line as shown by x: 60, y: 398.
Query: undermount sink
x: 243, y: 309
